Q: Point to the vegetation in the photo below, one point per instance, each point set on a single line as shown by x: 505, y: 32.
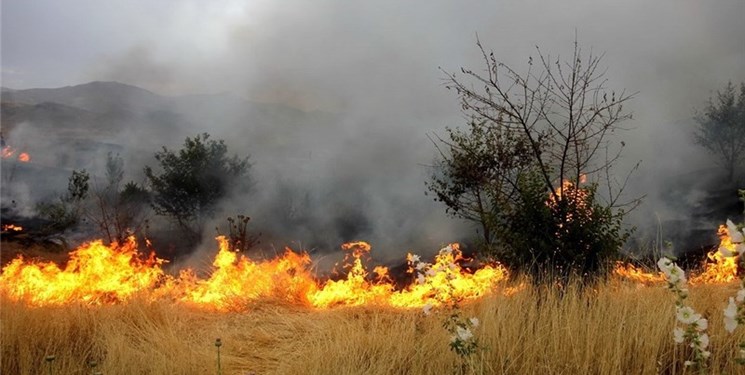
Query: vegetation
x: 193, y: 179
x: 616, y: 329
x: 721, y: 129
x: 238, y: 236
x: 66, y: 212
x: 118, y: 211
x: 517, y: 169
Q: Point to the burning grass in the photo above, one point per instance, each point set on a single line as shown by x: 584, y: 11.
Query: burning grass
x: 614, y: 329
x: 117, y: 307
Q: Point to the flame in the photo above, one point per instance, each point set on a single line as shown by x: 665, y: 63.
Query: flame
x: 98, y: 274
x: 635, y: 274
x: 95, y: 274
x: 12, y: 228
x: 8, y: 152
x: 719, y: 269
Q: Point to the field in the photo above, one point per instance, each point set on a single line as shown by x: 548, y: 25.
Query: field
x: 617, y: 328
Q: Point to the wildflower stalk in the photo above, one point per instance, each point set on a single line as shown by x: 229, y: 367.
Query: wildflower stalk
x: 462, y: 340
x: 691, y: 327
x: 218, y: 344
x: 49, y: 359
x: 734, y: 313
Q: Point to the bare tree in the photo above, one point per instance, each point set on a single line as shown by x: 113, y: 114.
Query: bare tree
x: 516, y: 170
x: 562, y: 109
x: 721, y: 128
x: 118, y: 211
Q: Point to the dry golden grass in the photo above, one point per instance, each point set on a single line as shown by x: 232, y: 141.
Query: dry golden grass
x: 616, y: 329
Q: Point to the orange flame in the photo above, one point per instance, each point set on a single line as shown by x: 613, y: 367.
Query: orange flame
x: 7, y: 152
x: 95, y: 274
x: 12, y: 228
x: 98, y: 274
x: 635, y: 274
x: 719, y: 269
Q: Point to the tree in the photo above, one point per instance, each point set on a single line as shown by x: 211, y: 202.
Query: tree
x: 475, y: 173
x: 118, y: 211
x: 192, y: 181
x: 721, y: 129
x: 556, y: 120
x: 65, y: 213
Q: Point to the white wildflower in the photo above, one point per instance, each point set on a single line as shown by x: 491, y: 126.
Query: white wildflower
x: 686, y: 315
x: 415, y: 258
x: 464, y: 334
x: 474, y: 322
x: 706, y: 354
x: 421, y: 266
x: 740, y: 248
x: 730, y: 324
x: 678, y: 335
x: 665, y: 265
x: 703, y: 341
x: 740, y: 295
x: 427, y: 309
x: 420, y: 279
x: 676, y: 275
x: 702, y: 324
x: 446, y: 250
x: 431, y: 272
x: 735, y: 235
x: 731, y: 310
x: 725, y: 252
x: 730, y: 314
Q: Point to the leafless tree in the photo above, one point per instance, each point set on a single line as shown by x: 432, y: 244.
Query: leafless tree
x: 563, y: 110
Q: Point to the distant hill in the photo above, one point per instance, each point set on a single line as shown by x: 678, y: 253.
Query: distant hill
x: 98, y: 97
x: 75, y: 126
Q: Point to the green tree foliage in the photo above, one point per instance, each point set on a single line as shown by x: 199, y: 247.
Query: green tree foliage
x: 556, y: 239
x: 721, y: 129
x: 66, y: 212
x: 192, y: 180
x: 532, y: 134
x: 475, y: 173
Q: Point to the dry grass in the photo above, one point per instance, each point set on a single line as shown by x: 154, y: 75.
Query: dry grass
x: 616, y: 329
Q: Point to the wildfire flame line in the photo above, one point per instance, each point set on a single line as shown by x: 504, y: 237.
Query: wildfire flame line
x: 98, y: 274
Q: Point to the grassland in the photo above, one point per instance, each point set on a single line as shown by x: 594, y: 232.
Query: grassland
x: 614, y: 329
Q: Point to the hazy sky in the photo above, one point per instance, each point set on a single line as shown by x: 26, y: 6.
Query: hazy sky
x: 377, y: 63
x: 331, y: 54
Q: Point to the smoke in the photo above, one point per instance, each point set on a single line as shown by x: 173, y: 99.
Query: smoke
x: 365, y: 80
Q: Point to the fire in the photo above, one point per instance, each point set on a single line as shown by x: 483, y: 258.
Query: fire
x: 12, y: 228
x: 99, y: 274
x: 635, y: 274
x: 95, y: 274
x: 8, y: 152
x: 720, y: 269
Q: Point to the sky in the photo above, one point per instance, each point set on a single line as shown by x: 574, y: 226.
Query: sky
x: 381, y: 64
